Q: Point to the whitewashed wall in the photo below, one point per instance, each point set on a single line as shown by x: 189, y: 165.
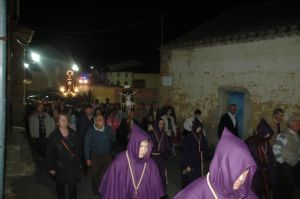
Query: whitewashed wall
x: 269, y: 70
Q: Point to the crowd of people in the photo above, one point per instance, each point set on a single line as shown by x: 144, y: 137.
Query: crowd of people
x: 125, y: 153
x: 275, y: 147
x: 84, y: 138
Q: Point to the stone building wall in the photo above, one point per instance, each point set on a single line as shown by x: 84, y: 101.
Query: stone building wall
x: 267, y: 71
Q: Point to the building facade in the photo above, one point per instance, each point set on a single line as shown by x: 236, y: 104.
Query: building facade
x: 19, y: 37
x: 258, y: 70
x: 133, y: 73
x: 136, y: 80
x: 119, y: 78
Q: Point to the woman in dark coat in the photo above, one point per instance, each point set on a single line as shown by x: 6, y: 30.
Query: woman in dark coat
x: 161, y: 150
x: 265, y: 177
x: 63, y: 158
x: 195, y: 150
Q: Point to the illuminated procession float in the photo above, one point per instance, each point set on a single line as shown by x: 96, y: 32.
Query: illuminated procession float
x: 127, y: 99
x: 69, y: 89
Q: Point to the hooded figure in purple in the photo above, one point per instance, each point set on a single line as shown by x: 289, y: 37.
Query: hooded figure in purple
x: 265, y: 177
x: 133, y: 174
x: 230, y: 173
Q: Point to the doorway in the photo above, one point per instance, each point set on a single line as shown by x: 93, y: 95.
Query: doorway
x: 238, y: 98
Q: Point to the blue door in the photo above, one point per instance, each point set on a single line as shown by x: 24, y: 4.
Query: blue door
x: 238, y: 99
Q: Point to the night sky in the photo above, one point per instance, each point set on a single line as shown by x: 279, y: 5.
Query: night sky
x: 90, y: 33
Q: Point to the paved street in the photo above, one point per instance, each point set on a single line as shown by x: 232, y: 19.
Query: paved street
x: 41, y: 186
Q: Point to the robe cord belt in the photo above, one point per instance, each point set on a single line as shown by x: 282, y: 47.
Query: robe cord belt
x: 136, y: 187
x: 201, y: 153
x: 210, y: 187
x: 159, y: 141
x: 156, y: 154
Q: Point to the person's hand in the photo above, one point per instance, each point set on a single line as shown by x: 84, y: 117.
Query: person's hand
x: 150, y: 127
x: 198, y: 129
x: 188, y: 169
x: 52, y: 172
x: 88, y: 163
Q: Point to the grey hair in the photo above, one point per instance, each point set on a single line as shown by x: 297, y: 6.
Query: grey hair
x: 294, y: 118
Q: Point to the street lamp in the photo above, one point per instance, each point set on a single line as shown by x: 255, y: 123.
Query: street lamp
x: 35, y: 57
x: 26, y: 65
x: 75, y: 68
x: 92, y: 67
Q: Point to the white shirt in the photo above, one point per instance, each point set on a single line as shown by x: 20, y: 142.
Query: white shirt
x: 294, y: 133
x: 97, y: 129
x: 188, y: 123
x: 233, y: 118
x: 165, y: 118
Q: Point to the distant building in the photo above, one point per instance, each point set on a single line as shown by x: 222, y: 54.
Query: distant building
x: 133, y: 73
x: 145, y: 95
x: 119, y: 78
x: 247, y: 55
x: 142, y: 77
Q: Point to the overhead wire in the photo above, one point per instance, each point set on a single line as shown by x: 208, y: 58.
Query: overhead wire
x: 99, y: 31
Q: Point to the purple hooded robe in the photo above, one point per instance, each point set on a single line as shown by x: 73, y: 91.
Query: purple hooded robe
x: 117, y: 182
x: 231, y: 159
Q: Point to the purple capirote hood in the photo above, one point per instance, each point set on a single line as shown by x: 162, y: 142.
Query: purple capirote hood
x: 136, y: 137
x: 117, y: 182
x: 231, y: 159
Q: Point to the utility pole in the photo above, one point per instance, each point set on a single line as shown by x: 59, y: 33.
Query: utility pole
x: 3, y: 46
x: 162, y: 30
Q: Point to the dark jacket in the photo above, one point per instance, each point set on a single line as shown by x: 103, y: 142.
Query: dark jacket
x: 151, y: 113
x: 98, y: 142
x: 123, y: 133
x: 66, y: 163
x: 267, y: 165
x: 83, y: 126
x: 226, y: 121
x: 191, y: 156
